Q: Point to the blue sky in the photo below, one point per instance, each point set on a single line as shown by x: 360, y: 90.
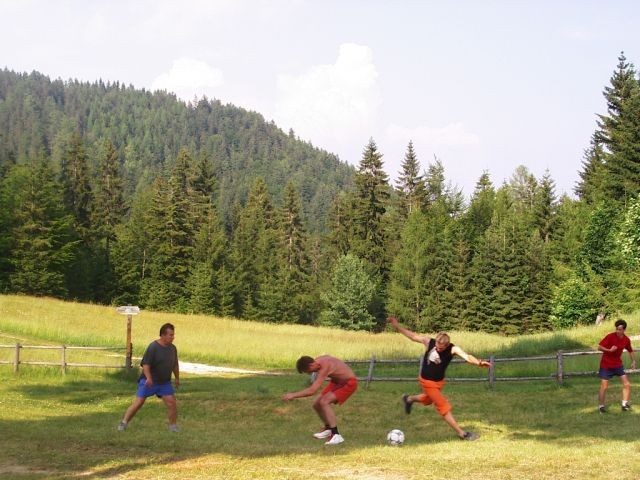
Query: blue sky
x: 481, y: 85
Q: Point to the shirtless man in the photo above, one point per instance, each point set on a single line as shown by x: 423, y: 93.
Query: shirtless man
x: 343, y: 383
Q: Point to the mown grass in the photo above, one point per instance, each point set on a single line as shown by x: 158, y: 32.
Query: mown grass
x: 236, y: 427
x: 58, y: 427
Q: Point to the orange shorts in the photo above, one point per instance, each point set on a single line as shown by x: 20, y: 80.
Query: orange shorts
x: 342, y: 391
x: 433, y: 395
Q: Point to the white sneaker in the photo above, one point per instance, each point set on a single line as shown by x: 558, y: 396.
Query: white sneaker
x: 174, y: 428
x: 323, y: 434
x: 335, y: 440
x: 122, y: 426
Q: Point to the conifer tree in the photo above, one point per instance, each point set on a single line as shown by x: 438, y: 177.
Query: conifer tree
x: 370, y: 205
x: 43, y: 236
x: 410, y: 184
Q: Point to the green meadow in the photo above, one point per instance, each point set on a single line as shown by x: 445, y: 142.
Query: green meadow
x: 236, y: 426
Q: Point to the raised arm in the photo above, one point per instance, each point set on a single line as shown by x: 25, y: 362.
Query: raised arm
x: 405, y: 331
x: 456, y: 350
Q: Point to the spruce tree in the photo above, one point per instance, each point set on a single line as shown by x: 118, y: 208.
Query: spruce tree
x: 370, y: 206
x: 410, y: 184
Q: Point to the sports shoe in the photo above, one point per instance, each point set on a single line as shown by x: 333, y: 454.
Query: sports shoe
x: 174, y: 428
x: 407, y: 404
x: 122, y: 426
x: 626, y: 407
x: 323, y: 434
x: 335, y: 439
x: 602, y: 409
x: 470, y: 436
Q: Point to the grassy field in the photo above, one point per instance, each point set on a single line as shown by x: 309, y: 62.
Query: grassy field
x: 236, y: 426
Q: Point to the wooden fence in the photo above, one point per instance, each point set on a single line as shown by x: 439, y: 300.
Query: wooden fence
x: 62, y: 363
x: 559, y: 375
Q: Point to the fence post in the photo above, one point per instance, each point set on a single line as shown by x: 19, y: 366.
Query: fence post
x: 560, y: 367
x: 492, y: 372
x: 63, y: 360
x: 370, y: 373
x: 16, y: 359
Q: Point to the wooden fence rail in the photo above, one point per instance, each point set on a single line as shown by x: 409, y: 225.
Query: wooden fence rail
x: 559, y: 375
x: 62, y: 363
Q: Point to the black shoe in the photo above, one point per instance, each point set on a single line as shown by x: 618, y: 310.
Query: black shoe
x: 626, y: 407
x: 602, y: 409
x: 407, y: 404
x: 470, y: 436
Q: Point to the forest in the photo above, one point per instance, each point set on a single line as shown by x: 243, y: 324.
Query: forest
x: 114, y: 195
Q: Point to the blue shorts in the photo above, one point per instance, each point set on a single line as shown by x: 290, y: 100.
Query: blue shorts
x: 159, y: 390
x: 608, y: 373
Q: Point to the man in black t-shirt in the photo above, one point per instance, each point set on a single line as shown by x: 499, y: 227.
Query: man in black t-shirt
x: 439, y: 352
x: 160, y: 360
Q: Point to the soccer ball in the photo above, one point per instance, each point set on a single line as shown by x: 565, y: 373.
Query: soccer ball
x: 395, y: 437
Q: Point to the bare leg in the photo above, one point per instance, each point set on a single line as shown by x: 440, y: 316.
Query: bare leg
x: 448, y: 417
x: 322, y: 406
x: 604, y: 384
x: 626, y: 388
x: 133, y: 409
x: 172, y: 408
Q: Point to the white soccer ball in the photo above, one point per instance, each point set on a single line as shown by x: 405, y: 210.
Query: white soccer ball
x: 395, y: 437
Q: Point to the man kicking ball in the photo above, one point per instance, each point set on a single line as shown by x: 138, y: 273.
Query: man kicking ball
x: 438, y: 354
x: 342, y: 385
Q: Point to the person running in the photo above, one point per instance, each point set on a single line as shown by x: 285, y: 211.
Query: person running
x: 160, y: 360
x: 439, y: 352
x: 612, y: 347
x: 342, y: 385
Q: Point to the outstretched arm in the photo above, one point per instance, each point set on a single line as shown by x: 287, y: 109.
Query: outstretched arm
x: 405, y: 331
x: 311, y: 389
x: 469, y: 358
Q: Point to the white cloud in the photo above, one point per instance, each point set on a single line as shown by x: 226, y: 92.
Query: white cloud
x: 330, y: 104
x: 188, y: 78
x: 453, y: 134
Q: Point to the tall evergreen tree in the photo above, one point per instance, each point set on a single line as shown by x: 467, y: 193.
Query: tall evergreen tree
x: 43, y: 247
x: 410, y: 184
x: 371, y: 201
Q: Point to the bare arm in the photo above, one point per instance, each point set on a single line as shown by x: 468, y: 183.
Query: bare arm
x: 406, y: 332
x: 469, y: 358
x: 176, y: 374
x: 311, y: 389
x: 633, y: 360
x: 605, y: 349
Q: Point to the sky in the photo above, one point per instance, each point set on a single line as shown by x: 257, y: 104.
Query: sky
x: 478, y: 85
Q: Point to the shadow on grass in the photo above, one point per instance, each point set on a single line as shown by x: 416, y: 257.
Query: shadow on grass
x: 68, y: 427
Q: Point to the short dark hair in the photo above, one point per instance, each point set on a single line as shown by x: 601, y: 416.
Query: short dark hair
x: 165, y: 327
x: 621, y: 322
x: 302, y: 365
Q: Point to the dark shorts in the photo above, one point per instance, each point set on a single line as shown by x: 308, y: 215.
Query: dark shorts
x: 160, y: 390
x: 608, y: 373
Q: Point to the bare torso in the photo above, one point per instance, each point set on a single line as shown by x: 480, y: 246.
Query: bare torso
x: 335, y: 369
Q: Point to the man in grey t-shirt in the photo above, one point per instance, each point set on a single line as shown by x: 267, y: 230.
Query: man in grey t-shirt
x: 160, y: 360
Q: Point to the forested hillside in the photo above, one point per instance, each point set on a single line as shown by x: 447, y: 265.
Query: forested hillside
x: 115, y: 195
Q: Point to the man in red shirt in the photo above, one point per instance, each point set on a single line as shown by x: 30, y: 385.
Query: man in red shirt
x: 611, y: 347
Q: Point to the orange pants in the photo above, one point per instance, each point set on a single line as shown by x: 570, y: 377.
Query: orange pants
x: 342, y: 391
x: 433, y: 395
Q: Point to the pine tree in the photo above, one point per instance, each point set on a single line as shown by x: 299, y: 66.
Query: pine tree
x: 74, y: 174
x: 371, y: 200
x: 619, y: 132
x: 109, y: 203
x: 410, y: 184
x: 43, y: 236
